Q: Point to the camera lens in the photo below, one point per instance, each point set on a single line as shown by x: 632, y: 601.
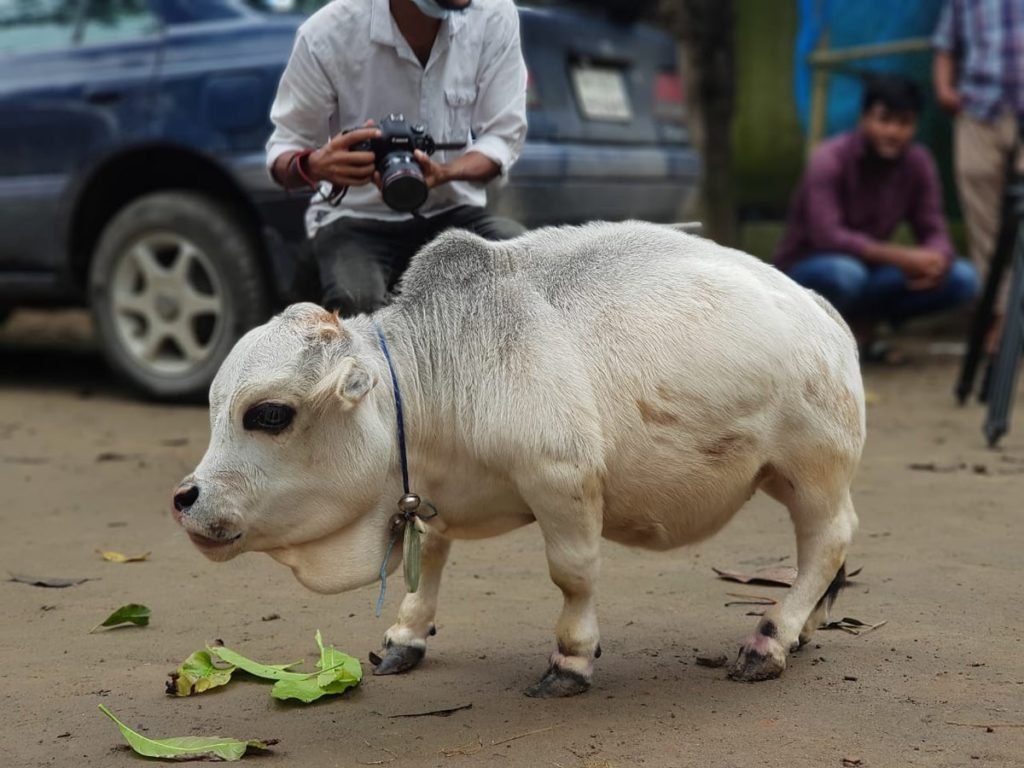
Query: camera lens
x: 402, y: 183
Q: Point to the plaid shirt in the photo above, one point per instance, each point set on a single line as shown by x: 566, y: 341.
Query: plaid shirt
x: 986, y: 37
x: 848, y: 200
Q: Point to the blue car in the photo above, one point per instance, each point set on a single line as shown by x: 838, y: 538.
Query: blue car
x: 132, y: 168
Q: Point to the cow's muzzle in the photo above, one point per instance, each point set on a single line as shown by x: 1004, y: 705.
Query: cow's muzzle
x: 186, y: 495
x: 210, y: 537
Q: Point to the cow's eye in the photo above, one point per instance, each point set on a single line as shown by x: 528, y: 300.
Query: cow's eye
x: 268, y: 417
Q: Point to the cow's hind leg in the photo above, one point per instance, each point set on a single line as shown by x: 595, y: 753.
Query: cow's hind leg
x: 405, y: 642
x: 825, y: 523
x: 567, y: 504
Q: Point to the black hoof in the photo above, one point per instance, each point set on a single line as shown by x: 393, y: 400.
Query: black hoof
x: 558, y: 683
x: 752, y: 666
x: 397, y: 659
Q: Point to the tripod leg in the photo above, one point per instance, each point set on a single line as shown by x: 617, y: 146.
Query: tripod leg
x: 1004, y: 374
x: 981, y: 320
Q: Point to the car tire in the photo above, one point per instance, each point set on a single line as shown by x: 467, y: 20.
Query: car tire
x: 174, y: 282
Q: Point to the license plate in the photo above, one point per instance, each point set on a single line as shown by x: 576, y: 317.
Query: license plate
x: 601, y: 92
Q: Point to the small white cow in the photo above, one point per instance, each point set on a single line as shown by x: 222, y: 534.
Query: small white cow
x: 618, y: 380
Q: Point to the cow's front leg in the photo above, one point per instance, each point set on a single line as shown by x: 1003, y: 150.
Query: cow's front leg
x: 405, y: 642
x: 569, y: 511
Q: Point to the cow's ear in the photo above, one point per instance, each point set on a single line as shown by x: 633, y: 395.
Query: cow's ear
x: 348, y: 382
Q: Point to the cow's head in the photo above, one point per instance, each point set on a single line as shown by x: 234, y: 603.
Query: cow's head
x: 301, y: 453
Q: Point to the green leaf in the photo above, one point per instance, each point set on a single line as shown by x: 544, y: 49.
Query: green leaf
x: 336, y: 667
x: 132, y: 613
x: 185, y: 747
x: 338, y: 672
x: 198, y: 673
x: 269, y: 671
x: 304, y: 690
x: 411, y: 556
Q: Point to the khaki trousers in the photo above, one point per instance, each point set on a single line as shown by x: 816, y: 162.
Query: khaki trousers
x: 982, y: 151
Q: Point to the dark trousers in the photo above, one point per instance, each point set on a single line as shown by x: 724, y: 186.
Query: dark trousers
x: 860, y: 290
x: 361, y: 260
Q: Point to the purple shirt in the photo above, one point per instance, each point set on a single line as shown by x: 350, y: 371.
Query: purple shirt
x: 849, y: 199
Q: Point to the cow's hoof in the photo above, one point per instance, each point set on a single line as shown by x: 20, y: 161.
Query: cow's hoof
x: 397, y: 659
x: 558, y: 683
x: 761, y: 658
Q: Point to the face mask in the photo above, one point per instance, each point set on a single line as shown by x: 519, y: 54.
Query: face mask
x: 434, y: 9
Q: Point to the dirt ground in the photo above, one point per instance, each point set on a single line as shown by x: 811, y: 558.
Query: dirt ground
x: 85, y: 465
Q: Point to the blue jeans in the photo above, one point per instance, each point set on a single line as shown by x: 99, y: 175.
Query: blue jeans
x: 880, y: 292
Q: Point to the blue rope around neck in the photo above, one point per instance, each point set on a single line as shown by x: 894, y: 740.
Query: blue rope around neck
x: 405, y: 466
x: 398, y: 408
x: 408, y: 515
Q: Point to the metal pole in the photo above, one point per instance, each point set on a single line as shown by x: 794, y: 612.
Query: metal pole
x: 1011, y: 348
x: 981, y: 320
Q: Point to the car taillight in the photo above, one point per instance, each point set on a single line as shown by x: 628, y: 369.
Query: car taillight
x: 669, y: 104
x: 532, y: 97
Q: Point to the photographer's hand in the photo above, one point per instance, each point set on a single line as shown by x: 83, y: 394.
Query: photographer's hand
x: 434, y: 174
x: 337, y: 163
x: 472, y: 166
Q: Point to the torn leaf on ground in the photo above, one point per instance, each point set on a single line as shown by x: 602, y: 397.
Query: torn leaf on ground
x: 198, y: 673
x: 268, y: 671
x: 187, y: 747
x: 338, y: 672
x: 853, y: 626
x: 133, y: 613
x: 774, y: 575
x: 46, y: 581
x: 117, y: 557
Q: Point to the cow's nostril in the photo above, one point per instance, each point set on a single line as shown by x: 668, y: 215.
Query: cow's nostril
x: 185, y: 497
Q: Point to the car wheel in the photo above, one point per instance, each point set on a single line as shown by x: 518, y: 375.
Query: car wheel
x: 174, y: 282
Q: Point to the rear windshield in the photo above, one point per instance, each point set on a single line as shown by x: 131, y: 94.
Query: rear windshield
x: 304, y: 7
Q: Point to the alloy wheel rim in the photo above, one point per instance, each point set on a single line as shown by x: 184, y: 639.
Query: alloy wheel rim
x: 167, y: 303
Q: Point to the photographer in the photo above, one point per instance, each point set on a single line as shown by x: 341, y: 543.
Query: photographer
x: 453, y: 66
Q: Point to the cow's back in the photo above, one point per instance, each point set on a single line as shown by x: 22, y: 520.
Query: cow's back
x: 654, y: 353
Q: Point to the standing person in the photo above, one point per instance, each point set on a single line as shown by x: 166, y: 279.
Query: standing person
x: 454, y: 66
x: 978, y: 74
x: 857, y: 189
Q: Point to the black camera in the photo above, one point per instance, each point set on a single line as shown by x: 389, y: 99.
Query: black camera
x: 402, y: 184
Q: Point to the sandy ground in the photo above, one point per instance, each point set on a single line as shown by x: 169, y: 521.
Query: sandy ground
x: 85, y: 466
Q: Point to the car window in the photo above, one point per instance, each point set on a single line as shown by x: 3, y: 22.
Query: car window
x: 112, y: 21
x: 30, y: 26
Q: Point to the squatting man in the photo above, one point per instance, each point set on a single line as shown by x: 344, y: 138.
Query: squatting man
x: 455, y: 68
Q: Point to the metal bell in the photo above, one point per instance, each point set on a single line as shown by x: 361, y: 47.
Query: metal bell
x: 410, y: 502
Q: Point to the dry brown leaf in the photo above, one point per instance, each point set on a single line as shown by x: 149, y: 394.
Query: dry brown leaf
x: 853, y: 626
x: 773, y: 575
x: 45, y: 581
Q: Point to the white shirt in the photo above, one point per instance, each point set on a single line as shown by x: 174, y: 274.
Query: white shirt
x: 350, y: 63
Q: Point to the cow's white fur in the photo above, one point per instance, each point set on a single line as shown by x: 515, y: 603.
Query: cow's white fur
x: 623, y: 380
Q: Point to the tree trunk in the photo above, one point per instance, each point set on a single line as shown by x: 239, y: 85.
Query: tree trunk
x: 704, y: 29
